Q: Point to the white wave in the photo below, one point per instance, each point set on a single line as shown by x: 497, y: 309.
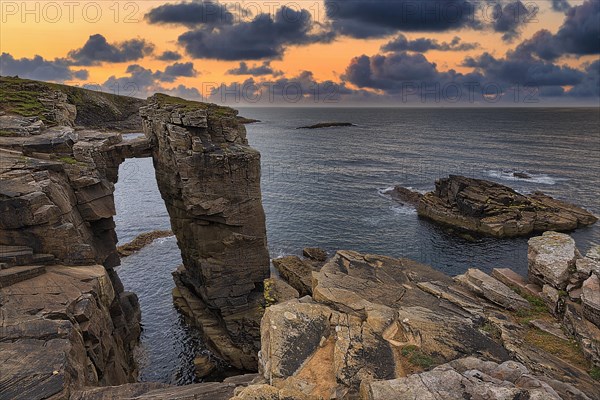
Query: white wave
x: 403, y: 210
x: 385, y: 192
x: 508, y: 175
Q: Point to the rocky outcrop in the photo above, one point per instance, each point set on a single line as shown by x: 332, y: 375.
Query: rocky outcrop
x: 382, y: 328
x: 209, y: 179
x: 488, y: 208
x: 468, y: 378
x: 59, y: 332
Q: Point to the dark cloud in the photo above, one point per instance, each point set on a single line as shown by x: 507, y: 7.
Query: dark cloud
x: 172, y: 72
x: 262, y: 37
x: 169, y: 56
x: 97, y: 50
x: 580, y: 32
x: 39, y: 68
x: 578, y: 35
x: 560, y: 5
x: 542, y: 44
x: 387, y: 72
x: 191, y: 14
x: 376, y: 18
x: 590, y: 85
x: 143, y: 82
x: 510, y: 18
x: 524, y: 69
x: 303, y: 88
x: 421, y: 45
x: 255, y: 70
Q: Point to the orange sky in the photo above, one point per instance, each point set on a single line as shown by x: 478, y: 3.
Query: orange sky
x: 54, y: 35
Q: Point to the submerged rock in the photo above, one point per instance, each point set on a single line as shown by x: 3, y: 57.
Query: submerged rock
x: 488, y: 208
x: 326, y: 125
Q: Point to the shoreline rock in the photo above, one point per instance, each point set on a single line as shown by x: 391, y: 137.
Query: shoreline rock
x: 141, y: 241
x: 490, y: 209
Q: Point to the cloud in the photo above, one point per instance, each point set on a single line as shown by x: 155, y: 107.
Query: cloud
x: 256, y: 70
x: 191, y: 14
x: 169, y: 56
x: 578, y: 35
x: 511, y: 18
x: 172, y: 72
x: 560, y: 5
x: 262, y: 37
x: 143, y: 82
x: 39, y: 68
x: 421, y: 45
x: 580, y: 32
x: 524, y: 69
x: 376, y: 18
x: 590, y: 85
x: 300, y: 89
x: 97, y: 50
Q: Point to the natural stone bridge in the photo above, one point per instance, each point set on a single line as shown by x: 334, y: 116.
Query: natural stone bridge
x: 57, y: 207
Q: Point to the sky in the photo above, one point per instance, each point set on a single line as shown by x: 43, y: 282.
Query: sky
x: 314, y: 52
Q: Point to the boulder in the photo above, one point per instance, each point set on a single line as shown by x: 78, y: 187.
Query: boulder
x: 314, y: 253
x: 551, y: 259
x: 296, y: 272
x: 278, y: 291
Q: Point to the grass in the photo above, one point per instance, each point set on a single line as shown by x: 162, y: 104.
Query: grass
x: 268, y: 293
x: 595, y: 373
x: 68, y: 160
x: 567, y: 350
x: 538, y: 310
x: 417, y: 358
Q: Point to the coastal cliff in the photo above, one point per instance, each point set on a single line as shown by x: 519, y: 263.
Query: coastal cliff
x: 351, y: 326
x: 61, y: 301
x: 209, y: 179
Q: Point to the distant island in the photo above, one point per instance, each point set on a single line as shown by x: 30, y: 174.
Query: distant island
x: 326, y: 125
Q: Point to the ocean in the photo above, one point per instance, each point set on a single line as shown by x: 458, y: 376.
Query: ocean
x: 328, y: 188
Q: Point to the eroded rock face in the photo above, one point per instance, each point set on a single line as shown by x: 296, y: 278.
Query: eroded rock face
x: 488, y: 208
x: 58, y: 332
x: 209, y: 179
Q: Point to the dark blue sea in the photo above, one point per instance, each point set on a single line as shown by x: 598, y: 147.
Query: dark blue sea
x: 328, y: 188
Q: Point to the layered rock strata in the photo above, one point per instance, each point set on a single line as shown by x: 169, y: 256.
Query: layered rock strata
x: 382, y: 328
x: 209, y: 179
x: 488, y: 208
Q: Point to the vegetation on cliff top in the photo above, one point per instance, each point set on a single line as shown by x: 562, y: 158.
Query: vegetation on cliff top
x: 190, y: 105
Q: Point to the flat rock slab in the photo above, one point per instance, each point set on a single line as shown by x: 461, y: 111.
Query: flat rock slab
x: 552, y: 328
x: 18, y: 274
x: 512, y: 279
x: 493, y: 290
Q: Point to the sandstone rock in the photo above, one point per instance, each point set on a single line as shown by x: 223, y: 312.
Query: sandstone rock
x: 551, y: 259
x: 278, y: 291
x: 509, y: 380
x: 296, y: 272
x: 514, y: 280
x: 210, y: 180
x: 493, y: 290
x: 586, y: 333
x: 590, y: 299
x: 57, y: 334
x: 315, y: 253
x: 406, y: 196
x: 552, y: 328
x: 552, y: 298
x: 492, y: 209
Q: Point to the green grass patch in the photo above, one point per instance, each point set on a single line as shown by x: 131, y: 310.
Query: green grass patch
x: 595, y: 373
x: 68, y: 160
x: 417, y: 358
